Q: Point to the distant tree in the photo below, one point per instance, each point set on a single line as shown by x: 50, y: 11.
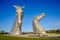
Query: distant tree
x: 53, y: 31
x: 2, y: 31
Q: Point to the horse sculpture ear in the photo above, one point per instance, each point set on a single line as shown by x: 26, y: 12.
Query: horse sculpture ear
x: 23, y: 6
x: 14, y: 5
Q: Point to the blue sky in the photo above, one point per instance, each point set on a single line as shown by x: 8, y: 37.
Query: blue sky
x: 32, y: 8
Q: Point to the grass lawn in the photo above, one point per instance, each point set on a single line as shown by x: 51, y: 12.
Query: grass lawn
x: 4, y: 37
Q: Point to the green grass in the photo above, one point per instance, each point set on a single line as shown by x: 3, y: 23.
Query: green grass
x: 4, y: 37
